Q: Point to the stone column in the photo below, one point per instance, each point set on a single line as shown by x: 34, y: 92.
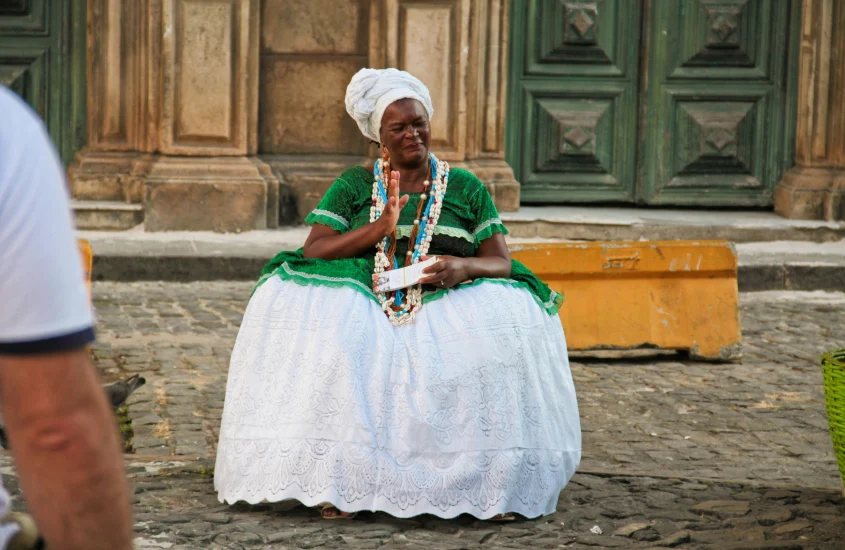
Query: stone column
x: 815, y: 187
x: 173, y: 114
x: 459, y: 49
x: 488, y: 101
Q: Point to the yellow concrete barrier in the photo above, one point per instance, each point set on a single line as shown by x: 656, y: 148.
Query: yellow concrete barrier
x: 87, y: 255
x: 679, y: 295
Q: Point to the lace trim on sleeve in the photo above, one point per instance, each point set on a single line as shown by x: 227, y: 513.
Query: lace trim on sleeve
x: 336, y: 222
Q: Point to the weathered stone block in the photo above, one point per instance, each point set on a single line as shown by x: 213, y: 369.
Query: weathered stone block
x: 88, y: 187
x: 801, y: 194
x: 108, y: 216
x: 195, y: 194
x: 107, y: 176
x: 305, y: 179
x: 302, y: 106
x: 811, y: 194
x: 338, y: 27
x: 507, y: 197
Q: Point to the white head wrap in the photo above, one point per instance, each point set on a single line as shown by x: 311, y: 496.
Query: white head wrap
x: 371, y: 91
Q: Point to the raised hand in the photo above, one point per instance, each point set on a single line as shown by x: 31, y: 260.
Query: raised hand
x: 390, y: 216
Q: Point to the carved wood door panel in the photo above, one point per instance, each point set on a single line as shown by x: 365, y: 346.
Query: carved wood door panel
x: 717, y: 103
x: 572, y: 122
x: 675, y: 102
x: 42, y: 58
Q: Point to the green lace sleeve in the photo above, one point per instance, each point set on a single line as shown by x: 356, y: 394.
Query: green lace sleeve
x: 336, y: 208
x: 487, y: 221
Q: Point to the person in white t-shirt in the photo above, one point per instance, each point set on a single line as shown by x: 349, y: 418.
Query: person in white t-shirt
x: 62, y: 433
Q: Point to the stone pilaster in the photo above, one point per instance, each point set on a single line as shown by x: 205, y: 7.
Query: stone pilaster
x: 815, y: 187
x: 173, y: 114
x: 122, y: 102
x: 488, y: 100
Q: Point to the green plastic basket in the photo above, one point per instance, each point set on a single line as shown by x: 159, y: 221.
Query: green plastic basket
x: 833, y: 371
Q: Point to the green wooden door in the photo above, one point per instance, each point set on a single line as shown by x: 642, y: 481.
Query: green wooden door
x: 572, y: 121
x: 42, y: 58
x: 716, y: 105
x: 675, y: 102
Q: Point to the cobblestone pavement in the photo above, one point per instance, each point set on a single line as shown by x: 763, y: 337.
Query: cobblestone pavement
x: 177, y: 509
x: 676, y: 453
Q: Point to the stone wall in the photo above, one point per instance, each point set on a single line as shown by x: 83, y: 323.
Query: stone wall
x: 228, y: 115
x: 311, y: 49
x: 173, y: 114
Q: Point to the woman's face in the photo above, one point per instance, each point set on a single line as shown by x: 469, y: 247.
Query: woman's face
x: 406, y: 132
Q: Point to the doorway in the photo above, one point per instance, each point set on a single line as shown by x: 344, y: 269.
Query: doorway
x: 659, y: 102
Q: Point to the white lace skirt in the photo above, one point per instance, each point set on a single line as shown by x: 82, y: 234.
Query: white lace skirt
x: 470, y: 409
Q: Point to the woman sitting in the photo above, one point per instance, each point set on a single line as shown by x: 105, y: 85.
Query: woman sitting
x: 452, y: 396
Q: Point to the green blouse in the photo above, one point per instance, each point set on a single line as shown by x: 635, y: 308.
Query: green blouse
x: 468, y: 217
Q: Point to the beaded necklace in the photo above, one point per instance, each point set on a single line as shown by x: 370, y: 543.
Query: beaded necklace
x: 398, y: 307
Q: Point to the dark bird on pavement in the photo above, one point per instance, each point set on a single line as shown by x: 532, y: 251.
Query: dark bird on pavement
x: 119, y: 392
x: 116, y: 393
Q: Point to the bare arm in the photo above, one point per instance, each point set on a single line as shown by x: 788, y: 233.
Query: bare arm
x: 65, y: 442
x: 491, y: 261
x: 325, y: 243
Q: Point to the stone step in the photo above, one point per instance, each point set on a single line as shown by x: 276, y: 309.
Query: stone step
x: 592, y: 223
x: 106, y: 215
x: 205, y: 256
x: 595, y: 223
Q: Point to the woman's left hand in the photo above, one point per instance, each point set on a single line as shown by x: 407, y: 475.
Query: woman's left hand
x: 447, y: 272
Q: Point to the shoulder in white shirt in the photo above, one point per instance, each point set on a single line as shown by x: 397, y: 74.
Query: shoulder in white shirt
x: 43, y: 301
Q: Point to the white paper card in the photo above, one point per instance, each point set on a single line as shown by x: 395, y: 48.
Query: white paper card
x: 404, y: 277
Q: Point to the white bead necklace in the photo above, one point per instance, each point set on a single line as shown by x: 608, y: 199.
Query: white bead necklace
x: 426, y: 219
